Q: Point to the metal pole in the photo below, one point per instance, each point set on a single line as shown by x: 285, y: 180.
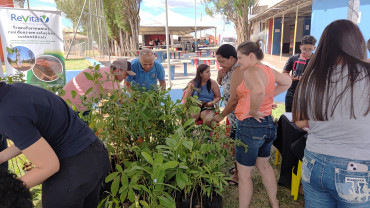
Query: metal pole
x: 215, y: 36
x: 74, y: 35
x: 272, y: 35
x: 106, y: 33
x: 265, y: 37
x: 99, y: 28
x: 28, y: 4
x: 195, y: 41
x: 295, y: 30
x: 97, y: 25
x: 168, y: 48
x: 281, y: 36
x: 91, y: 31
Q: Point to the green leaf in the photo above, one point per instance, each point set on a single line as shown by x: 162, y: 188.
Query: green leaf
x: 147, y: 157
x: 144, y: 203
x: 89, y: 76
x: 188, y: 144
x: 119, y: 168
x: 158, y: 159
x: 115, y: 186
x: 189, y: 122
x: 170, y: 164
x: 111, y: 176
x: 97, y: 66
x: 123, y: 195
x: 180, y: 180
x: 88, y: 91
x: 131, y: 195
x: 124, y: 180
x: 11, y: 51
x: 62, y: 93
x: 166, y: 202
x: 73, y: 93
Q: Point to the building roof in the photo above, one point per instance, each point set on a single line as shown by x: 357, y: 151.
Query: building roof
x: 288, y: 7
x: 177, y: 25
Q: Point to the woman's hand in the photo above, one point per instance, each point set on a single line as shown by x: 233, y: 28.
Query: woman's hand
x: 258, y: 115
x: 218, y: 118
x: 209, y: 104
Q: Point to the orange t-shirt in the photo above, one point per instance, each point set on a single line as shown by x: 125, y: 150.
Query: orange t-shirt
x: 243, y: 93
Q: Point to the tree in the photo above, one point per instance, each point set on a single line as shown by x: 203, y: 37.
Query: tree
x: 122, y: 18
x: 123, y: 23
x: 235, y: 11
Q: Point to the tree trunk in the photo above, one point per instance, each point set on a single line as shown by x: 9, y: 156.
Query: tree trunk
x: 241, y: 28
x: 121, y: 42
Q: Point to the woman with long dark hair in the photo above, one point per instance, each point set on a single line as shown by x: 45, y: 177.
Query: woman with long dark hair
x: 207, y: 91
x: 255, y: 126
x: 333, y: 100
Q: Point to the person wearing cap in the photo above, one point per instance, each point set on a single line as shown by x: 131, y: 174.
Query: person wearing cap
x: 148, y: 72
x: 111, y: 77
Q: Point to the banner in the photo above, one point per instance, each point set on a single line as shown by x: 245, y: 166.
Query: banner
x: 32, y: 43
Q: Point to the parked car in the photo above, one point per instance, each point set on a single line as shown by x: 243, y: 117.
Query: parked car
x: 229, y: 40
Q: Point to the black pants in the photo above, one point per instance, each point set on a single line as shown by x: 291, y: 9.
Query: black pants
x: 3, y: 146
x: 79, y: 180
x: 289, y: 102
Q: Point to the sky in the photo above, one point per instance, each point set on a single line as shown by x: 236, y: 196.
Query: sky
x: 149, y: 9
x: 23, y: 52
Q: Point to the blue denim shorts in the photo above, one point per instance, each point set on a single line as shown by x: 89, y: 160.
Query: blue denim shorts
x: 257, y: 136
x: 327, y: 182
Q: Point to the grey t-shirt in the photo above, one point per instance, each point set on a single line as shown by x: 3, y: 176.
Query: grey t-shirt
x: 341, y: 135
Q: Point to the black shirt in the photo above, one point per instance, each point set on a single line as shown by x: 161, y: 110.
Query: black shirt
x: 28, y: 113
x: 290, y: 66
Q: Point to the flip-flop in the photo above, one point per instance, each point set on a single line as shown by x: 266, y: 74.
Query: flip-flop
x: 232, y: 170
x: 232, y: 183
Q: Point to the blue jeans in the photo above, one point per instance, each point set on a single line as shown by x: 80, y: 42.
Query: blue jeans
x: 257, y: 136
x: 327, y: 182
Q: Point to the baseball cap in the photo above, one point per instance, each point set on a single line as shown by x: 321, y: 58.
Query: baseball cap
x: 124, y: 65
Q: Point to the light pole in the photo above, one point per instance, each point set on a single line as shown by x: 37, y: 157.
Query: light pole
x: 167, y: 47
x: 195, y: 41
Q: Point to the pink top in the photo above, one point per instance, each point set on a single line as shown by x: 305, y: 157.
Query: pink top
x: 81, y: 84
x: 243, y: 93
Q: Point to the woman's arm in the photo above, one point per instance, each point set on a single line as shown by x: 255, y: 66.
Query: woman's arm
x: 216, y: 91
x: 301, y: 124
x: 283, y: 82
x: 189, y: 90
x: 9, y: 153
x: 45, y: 161
x: 236, y: 78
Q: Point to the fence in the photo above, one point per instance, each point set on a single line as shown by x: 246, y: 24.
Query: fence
x: 84, y: 27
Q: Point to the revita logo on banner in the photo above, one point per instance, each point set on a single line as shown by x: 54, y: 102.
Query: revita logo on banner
x: 22, y: 18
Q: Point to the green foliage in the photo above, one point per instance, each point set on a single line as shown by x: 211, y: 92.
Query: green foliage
x: 158, y: 151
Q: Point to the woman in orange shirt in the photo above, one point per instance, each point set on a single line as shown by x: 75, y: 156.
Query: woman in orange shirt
x: 255, y: 126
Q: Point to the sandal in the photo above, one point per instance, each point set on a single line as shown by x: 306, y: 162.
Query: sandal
x: 232, y: 170
x: 232, y: 183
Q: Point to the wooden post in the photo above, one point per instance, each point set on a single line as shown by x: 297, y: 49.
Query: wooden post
x: 295, y: 30
x: 281, y: 36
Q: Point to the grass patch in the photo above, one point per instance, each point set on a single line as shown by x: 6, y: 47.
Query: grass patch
x: 77, y: 64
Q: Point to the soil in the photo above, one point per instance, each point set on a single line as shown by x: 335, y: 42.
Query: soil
x: 47, y: 70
